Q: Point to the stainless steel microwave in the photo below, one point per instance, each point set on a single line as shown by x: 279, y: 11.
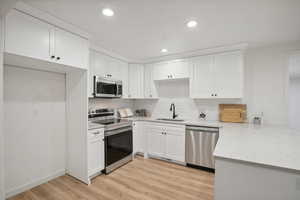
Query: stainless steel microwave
x: 107, y: 87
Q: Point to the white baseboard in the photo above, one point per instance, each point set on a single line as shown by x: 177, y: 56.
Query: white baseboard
x: 32, y: 184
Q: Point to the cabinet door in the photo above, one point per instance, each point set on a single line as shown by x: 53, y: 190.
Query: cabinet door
x: 27, y: 36
x: 95, y: 152
x: 228, y: 73
x: 161, y: 71
x: 201, y: 83
x: 91, y: 74
x: 138, y: 137
x: 101, y: 63
x: 175, y: 144
x: 178, y: 69
x: 71, y: 49
x: 124, y: 78
x: 136, y: 81
x: 156, y: 141
x: 150, y: 86
x: 113, y: 69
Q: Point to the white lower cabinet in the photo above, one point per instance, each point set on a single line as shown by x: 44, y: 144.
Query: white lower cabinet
x: 95, y: 151
x: 166, y: 141
x: 139, y: 139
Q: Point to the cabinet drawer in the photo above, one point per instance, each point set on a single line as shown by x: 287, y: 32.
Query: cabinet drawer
x: 96, y: 134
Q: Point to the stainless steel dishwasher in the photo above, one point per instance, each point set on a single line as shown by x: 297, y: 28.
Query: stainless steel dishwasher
x: 200, y: 145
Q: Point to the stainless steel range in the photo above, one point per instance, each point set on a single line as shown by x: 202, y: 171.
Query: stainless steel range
x: 117, y: 136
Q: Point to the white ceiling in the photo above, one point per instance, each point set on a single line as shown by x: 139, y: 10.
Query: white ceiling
x: 141, y: 28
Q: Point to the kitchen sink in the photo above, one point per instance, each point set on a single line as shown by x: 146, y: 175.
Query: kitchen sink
x: 171, y: 120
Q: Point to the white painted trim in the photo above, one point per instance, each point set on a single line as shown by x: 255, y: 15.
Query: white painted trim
x: 199, y: 52
x: 48, y: 18
x: 34, y: 183
x: 1, y: 109
x: 101, y: 50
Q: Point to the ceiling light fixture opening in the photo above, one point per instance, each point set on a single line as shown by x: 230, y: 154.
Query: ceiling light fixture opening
x: 164, y: 50
x: 108, y: 12
x: 192, y: 24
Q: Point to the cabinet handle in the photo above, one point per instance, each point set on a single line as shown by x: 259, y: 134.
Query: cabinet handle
x: 96, y: 133
x: 52, y: 57
x: 58, y: 58
x: 216, y: 95
x: 212, y: 95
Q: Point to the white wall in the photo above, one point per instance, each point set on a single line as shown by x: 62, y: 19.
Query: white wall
x: 294, y: 103
x: 35, y: 127
x: 1, y: 114
x: 267, y: 82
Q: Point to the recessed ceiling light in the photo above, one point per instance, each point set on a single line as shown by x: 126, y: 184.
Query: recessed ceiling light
x: 192, y: 24
x: 108, y: 12
x: 164, y: 50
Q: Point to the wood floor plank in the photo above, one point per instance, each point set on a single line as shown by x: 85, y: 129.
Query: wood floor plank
x: 141, y: 179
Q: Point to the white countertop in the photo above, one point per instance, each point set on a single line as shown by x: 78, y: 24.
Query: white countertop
x: 269, y: 145
x: 275, y: 146
x: 92, y: 126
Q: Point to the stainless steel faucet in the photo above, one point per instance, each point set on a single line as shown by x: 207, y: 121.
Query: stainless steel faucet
x: 172, y: 108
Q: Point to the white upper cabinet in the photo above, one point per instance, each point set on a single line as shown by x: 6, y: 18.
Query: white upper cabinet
x: 106, y: 66
x: 171, y: 70
x: 27, y: 36
x: 30, y: 37
x: 150, y: 86
x: 217, y: 76
x: 201, y: 83
x: 70, y: 49
x: 229, y: 75
x: 136, y: 81
x: 123, y: 69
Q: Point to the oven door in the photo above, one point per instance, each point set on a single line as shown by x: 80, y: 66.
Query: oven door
x: 118, y: 145
x: 104, y: 87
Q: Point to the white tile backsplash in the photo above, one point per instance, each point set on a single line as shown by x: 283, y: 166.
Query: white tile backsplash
x: 186, y: 108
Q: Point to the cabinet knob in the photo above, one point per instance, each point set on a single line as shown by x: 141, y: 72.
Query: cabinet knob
x: 52, y: 57
x: 58, y: 58
x: 212, y: 95
x: 96, y: 133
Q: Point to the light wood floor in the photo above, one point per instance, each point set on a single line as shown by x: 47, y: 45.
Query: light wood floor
x: 141, y: 179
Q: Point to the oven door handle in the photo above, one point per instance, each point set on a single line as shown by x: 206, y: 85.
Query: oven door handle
x: 117, y: 131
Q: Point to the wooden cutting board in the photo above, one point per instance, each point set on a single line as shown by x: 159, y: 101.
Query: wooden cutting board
x: 235, y: 113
